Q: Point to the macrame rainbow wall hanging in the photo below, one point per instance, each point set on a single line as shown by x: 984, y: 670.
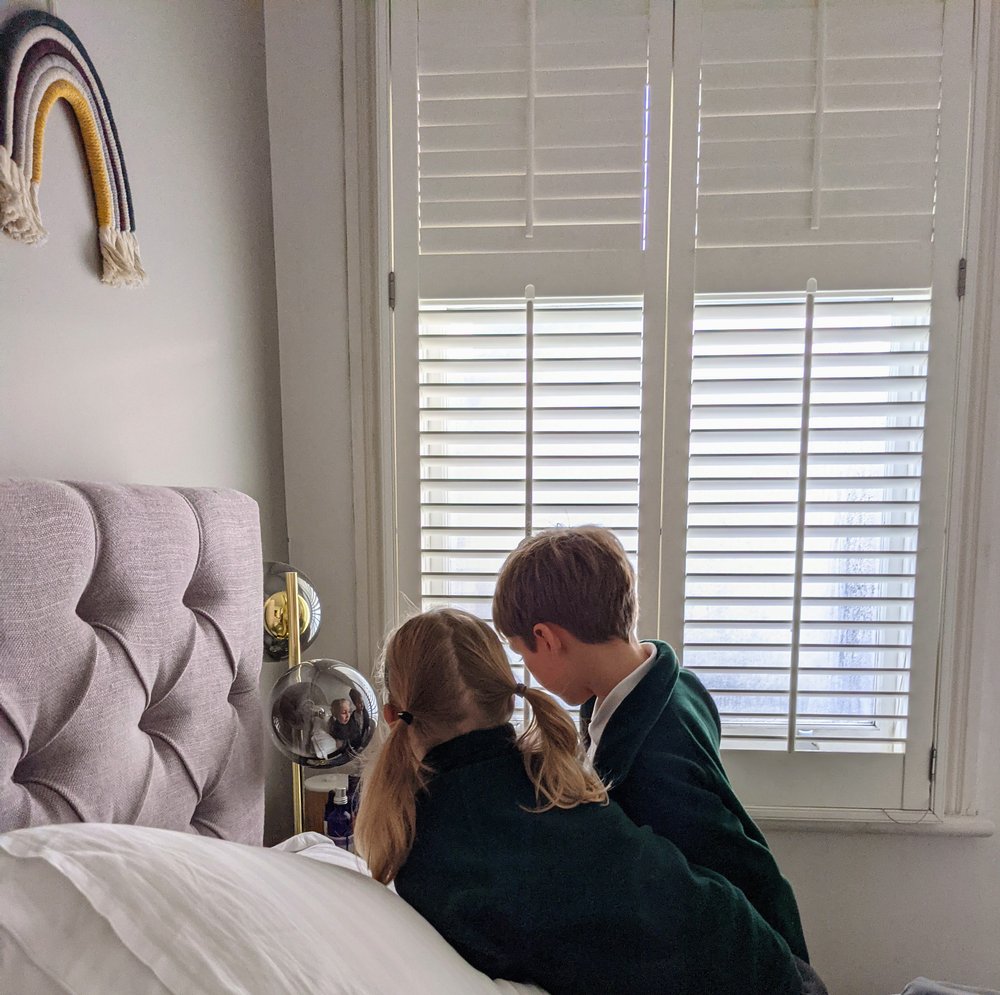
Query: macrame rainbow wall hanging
x: 42, y: 61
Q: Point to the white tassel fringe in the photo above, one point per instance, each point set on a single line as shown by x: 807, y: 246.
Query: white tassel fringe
x: 19, y: 215
x: 120, y: 254
x: 21, y: 220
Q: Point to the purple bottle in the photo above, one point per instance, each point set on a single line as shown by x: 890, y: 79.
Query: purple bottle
x: 339, y: 819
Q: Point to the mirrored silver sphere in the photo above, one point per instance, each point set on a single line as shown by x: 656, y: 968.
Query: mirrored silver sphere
x: 276, y: 610
x: 323, y: 713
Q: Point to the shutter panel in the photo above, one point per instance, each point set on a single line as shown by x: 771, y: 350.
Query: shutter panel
x: 803, y: 506
x: 831, y: 145
x: 515, y: 439
x: 531, y: 122
x: 480, y: 494
x: 819, y: 124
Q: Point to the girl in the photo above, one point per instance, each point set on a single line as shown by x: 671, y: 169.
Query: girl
x: 508, y: 846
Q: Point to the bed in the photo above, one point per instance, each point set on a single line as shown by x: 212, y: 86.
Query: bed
x: 131, y: 768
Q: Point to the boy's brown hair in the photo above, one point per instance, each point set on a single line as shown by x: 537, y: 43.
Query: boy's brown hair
x: 579, y: 578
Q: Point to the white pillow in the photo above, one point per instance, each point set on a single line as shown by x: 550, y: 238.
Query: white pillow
x: 99, y: 908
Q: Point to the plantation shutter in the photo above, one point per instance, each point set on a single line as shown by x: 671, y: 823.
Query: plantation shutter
x: 831, y: 147
x: 520, y: 171
x: 803, y: 510
x: 819, y: 143
x: 531, y: 119
x: 789, y: 514
x: 500, y: 459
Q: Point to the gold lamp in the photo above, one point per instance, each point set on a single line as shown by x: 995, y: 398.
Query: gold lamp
x: 323, y: 712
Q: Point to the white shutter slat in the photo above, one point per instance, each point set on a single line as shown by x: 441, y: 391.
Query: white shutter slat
x: 839, y: 72
x: 716, y: 208
x: 750, y: 564
x: 505, y: 213
x: 754, y: 99
x: 615, y: 342
x: 790, y: 411
x: 706, y: 486
x: 762, y: 341
x: 755, y: 577
x: 448, y: 166
x: 584, y: 443
x: 628, y: 538
x: 562, y: 132
x: 724, y: 130
x: 851, y: 163
x: 548, y: 186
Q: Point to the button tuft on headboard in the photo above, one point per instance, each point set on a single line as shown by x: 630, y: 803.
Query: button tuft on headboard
x: 135, y: 712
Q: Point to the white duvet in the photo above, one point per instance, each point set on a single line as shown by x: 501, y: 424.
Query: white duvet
x: 100, y: 909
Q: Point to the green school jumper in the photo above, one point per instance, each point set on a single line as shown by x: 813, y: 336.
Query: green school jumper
x: 576, y: 900
x: 659, y: 753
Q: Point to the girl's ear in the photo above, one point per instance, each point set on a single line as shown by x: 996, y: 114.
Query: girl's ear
x: 390, y: 713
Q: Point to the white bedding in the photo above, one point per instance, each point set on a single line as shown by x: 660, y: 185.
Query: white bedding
x: 96, y: 909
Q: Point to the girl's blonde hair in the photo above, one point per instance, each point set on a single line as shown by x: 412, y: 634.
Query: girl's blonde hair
x: 448, y: 671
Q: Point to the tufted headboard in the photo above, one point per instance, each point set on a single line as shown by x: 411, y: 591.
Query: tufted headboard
x: 130, y: 651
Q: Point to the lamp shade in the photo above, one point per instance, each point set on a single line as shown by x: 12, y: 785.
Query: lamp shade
x: 323, y: 713
x: 276, y: 610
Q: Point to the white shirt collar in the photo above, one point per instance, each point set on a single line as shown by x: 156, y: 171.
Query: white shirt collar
x: 606, y: 707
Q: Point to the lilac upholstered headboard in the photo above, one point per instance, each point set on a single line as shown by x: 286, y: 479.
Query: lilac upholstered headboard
x: 130, y: 651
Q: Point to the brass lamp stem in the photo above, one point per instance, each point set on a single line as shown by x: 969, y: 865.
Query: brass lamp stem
x: 294, y: 659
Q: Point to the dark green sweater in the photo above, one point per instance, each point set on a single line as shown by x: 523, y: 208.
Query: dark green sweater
x: 579, y: 900
x: 659, y: 753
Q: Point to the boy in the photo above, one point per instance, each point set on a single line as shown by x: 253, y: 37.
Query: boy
x: 566, y: 601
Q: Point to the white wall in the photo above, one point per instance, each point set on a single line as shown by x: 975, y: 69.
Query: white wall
x: 177, y: 382
x: 305, y: 101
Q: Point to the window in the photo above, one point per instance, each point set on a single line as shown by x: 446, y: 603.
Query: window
x: 772, y: 451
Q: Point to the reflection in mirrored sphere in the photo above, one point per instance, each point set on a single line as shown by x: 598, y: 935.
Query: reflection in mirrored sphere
x: 323, y: 713
x: 276, y: 610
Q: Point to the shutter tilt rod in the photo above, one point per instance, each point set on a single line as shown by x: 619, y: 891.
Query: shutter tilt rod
x: 800, y: 522
x: 817, y: 177
x: 529, y: 405
x: 529, y: 193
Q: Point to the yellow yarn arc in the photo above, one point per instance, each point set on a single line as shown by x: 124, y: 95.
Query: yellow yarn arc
x: 91, y: 134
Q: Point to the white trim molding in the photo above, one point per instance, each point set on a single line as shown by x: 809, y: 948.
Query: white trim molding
x: 866, y: 820
x: 366, y: 191
x: 969, y: 611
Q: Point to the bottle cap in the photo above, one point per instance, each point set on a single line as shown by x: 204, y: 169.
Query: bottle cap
x: 340, y: 796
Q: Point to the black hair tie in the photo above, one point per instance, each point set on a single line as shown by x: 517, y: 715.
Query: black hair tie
x: 519, y: 690
x: 406, y: 717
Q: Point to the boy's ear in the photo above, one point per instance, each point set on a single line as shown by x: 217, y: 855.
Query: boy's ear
x: 548, y: 637
x: 390, y: 713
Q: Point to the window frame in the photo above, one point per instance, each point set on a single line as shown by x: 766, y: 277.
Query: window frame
x: 953, y: 804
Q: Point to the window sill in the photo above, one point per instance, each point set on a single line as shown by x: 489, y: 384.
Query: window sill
x: 870, y: 821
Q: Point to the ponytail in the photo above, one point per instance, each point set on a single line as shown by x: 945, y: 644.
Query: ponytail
x: 386, y: 822
x: 553, y: 759
x: 445, y: 672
